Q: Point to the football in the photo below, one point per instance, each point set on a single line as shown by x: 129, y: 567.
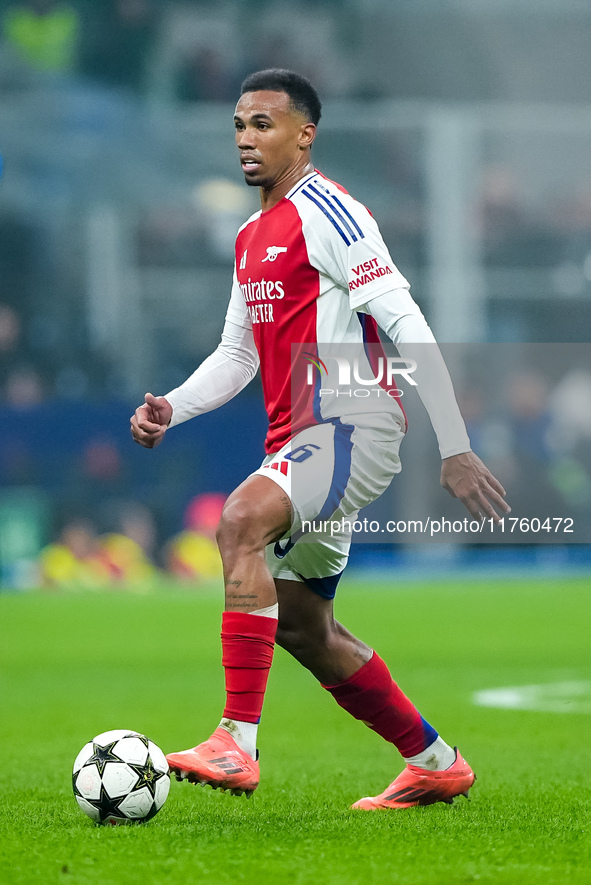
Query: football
x: 120, y: 777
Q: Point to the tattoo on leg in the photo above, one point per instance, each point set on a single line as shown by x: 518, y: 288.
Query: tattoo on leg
x: 246, y: 601
x: 233, y: 583
x: 241, y: 595
x: 235, y: 605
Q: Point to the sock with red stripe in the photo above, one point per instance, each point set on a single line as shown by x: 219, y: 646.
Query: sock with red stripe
x: 248, y: 642
x: 372, y: 696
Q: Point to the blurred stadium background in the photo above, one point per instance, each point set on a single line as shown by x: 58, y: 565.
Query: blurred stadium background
x: 464, y: 126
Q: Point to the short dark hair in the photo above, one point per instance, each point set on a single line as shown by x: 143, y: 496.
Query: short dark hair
x: 302, y: 95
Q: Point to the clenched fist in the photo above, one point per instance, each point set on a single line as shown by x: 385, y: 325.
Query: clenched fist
x: 149, y: 423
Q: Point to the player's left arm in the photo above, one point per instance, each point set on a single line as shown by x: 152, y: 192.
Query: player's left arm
x: 384, y: 294
x: 349, y: 249
x: 463, y: 474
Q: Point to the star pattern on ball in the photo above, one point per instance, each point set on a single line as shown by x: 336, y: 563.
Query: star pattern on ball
x: 102, y: 755
x: 147, y: 776
x: 142, y: 787
x: 109, y: 807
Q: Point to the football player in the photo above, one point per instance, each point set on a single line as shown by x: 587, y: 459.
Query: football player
x: 313, y: 275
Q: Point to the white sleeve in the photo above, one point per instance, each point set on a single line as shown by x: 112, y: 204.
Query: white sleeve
x: 223, y: 374
x: 401, y: 319
x: 370, y: 269
x: 345, y: 244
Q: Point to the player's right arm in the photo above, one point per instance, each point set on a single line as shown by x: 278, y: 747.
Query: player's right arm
x: 219, y: 378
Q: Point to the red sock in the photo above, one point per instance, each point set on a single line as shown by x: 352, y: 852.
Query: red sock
x: 247, y: 654
x: 371, y: 695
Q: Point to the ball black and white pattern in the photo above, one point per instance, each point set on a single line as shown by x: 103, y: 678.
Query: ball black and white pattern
x: 120, y: 777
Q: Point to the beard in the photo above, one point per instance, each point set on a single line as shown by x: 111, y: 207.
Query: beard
x: 258, y: 181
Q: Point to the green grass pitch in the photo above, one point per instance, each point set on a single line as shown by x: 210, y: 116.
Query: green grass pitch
x: 75, y: 665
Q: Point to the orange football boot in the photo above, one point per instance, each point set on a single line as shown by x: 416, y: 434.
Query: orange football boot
x: 418, y: 786
x: 219, y: 762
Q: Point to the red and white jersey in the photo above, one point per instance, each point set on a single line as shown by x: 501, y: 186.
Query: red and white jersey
x: 303, y: 269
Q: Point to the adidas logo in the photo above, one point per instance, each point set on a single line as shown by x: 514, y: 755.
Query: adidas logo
x: 229, y: 766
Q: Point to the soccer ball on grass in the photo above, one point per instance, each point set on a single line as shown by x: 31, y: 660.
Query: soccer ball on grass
x: 120, y: 777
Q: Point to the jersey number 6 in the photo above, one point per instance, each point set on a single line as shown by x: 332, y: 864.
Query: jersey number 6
x: 301, y: 453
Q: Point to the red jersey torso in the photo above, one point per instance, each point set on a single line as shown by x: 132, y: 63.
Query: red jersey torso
x: 302, y: 268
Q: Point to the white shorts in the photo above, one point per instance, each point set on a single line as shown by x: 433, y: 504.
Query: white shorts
x: 329, y: 471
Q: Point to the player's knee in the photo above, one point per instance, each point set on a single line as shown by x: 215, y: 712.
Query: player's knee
x: 240, y: 526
